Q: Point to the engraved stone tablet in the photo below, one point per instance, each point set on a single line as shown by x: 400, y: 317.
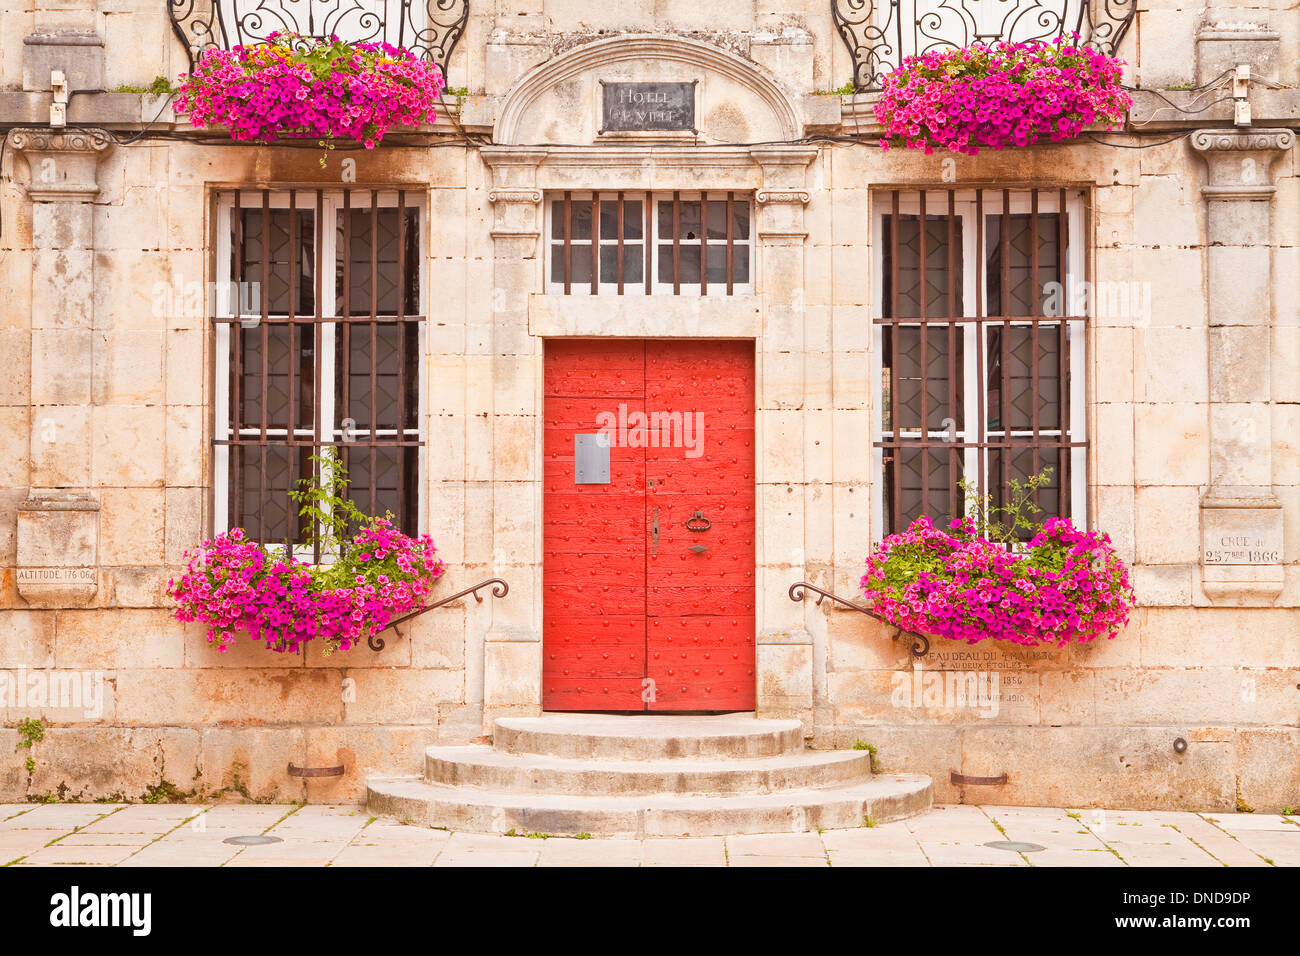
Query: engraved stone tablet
x: 659, y: 107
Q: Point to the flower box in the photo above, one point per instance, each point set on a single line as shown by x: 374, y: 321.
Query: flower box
x: 995, y: 97
x: 319, y: 88
x: 1064, y: 585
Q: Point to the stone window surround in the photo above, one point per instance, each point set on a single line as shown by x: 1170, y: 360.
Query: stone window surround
x: 223, y: 198
x: 1077, y: 269
x: 776, y: 178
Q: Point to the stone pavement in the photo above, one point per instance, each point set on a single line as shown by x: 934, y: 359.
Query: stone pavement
x: 191, y: 835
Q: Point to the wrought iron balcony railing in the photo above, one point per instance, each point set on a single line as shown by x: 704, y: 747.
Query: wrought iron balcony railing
x: 881, y: 33
x: 428, y: 28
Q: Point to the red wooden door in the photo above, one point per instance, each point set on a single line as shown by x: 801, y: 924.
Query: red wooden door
x: 648, y: 579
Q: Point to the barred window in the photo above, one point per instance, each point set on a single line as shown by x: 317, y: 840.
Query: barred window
x: 978, y: 364
x: 626, y: 243
x: 318, y: 328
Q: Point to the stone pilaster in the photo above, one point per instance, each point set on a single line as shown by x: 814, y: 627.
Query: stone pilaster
x: 58, y: 525
x: 1241, y: 517
x: 788, y: 683
x: 507, y: 413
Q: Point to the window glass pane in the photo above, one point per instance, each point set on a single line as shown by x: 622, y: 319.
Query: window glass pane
x: 376, y: 235
x: 1010, y: 368
x: 740, y: 264
x: 633, y: 263
x: 275, y: 273
x: 902, y: 365
x: 938, y: 282
x: 367, y: 359
x: 631, y: 219
x: 942, y: 503
x: 688, y: 219
x: 276, y: 370
x: 740, y: 220
x: 1018, y: 279
x: 688, y: 269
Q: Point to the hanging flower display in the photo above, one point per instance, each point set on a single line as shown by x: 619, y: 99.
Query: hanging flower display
x: 971, y: 582
x: 993, y: 97
x: 320, y: 88
x: 233, y: 584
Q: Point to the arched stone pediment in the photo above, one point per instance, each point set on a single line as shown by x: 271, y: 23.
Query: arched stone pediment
x: 558, y: 102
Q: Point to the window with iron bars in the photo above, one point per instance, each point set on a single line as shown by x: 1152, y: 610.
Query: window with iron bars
x: 978, y: 349
x: 318, y: 349
x: 677, y: 243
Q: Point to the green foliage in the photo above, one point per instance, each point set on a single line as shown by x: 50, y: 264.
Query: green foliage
x: 870, y: 822
x: 165, y: 792
x: 1013, y: 521
x: 159, y: 86
x: 584, y: 835
x: 323, y: 502
x: 32, y: 730
x: 848, y: 89
x: 863, y: 745
x: 460, y: 92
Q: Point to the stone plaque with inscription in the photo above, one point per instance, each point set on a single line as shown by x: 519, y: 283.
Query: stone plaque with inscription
x: 1241, y: 535
x: 647, y: 107
x: 1241, y: 551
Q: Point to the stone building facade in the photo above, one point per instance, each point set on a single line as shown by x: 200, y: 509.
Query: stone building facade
x: 1183, y: 400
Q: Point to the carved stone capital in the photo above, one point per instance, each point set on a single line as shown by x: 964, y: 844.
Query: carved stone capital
x: 765, y: 196
x: 1240, y: 161
x: 63, y: 164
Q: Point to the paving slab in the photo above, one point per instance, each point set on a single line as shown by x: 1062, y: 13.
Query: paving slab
x: 347, y: 836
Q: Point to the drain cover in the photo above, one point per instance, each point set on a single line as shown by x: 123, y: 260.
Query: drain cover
x: 1015, y: 846
x: 258, y: 840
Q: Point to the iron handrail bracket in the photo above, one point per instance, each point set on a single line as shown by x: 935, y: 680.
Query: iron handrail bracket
x: 499, y: 589
x: 800, y: 589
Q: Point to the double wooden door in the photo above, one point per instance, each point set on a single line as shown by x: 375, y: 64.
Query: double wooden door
x: 648, y: 537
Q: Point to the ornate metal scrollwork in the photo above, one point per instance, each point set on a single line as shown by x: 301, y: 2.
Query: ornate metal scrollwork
x: 499, y: 589
x: 799, y: 591
x: 881, y: 33
x: 428, y: 28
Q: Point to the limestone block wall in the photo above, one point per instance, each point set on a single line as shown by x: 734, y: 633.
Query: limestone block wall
x: 106, y: 420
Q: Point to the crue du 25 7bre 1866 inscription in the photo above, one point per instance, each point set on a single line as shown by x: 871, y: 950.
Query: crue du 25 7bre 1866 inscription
x: 656, y: 107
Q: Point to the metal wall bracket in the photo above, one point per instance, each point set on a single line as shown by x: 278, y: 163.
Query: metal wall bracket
x: 499, y: 589
x: 962, y: 780
x: 920, y: 643
x: 316, y: 771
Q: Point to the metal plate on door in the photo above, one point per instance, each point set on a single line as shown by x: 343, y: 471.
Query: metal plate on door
x: 591, y: 459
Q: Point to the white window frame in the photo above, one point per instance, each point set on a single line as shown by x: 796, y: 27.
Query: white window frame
x: 1075, y: 266
x: 650, y: 204
x: 329, y: 239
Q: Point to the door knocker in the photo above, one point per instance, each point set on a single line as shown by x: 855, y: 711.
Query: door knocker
x: 697, y: 522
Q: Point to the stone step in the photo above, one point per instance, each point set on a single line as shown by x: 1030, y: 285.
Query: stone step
x: 485, y: 768
x: 647, y: 737
x: 881, y: 799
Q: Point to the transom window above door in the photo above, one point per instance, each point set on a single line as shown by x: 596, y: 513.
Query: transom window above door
x: 628, y: 243
x: 978, y: 350
x: 318, y: 322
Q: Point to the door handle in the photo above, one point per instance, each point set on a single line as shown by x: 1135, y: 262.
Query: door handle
x: 654, y: 533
